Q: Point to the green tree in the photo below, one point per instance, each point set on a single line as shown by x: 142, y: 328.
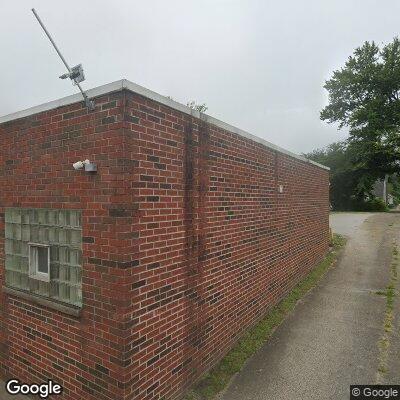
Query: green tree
x: 364, y: 97
x: 198, y: 107
x: 348, y: 186
x: 194, y: 106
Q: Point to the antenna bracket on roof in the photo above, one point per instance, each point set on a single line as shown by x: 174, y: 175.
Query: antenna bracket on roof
x: 75, y: 73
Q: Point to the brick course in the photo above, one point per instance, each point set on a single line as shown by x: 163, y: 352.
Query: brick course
x: 187, y: 242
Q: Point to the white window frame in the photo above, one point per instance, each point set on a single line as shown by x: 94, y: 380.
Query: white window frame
x: 34, y: 272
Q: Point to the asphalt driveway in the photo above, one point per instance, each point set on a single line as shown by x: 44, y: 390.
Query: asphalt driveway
x: 333, y: 337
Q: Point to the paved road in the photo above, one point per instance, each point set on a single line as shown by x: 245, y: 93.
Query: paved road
x: 331, y: 339
x: 346, y: 223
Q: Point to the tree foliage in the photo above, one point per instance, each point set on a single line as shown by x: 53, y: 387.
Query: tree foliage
x: 347, y: 185
x: 364, y: 97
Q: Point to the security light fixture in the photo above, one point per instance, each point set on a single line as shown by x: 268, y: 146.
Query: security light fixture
x: 80, y: 164
x: 89, y: 166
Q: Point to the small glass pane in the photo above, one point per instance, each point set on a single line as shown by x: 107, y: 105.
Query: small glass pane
x: 54, y: 289
x: 62, y: 235
x: 75, y: 275
x: 64, y: 273
x: 24, y: 264
x: 17, y: 231
x: 54, y: 271
x: 43, y: 260
x: 8, y: 215
x: 26, y: 233
x: 9, y: 246
x: 73, y: 294
x: 42, y: 216
x: 64, y: 292
x: 33, y: 216
x: 74, y: 257
x: 53, y: 217
x: 25, y: 216
x: 17, y: 247
x: 44, y: 288
x: 33, y: 285
x: 43, y: 235
x: 17, y: 263
x: 16, y: 216
x: 24, y: 249
x: 75, y: 219
x: 76, y: 237
x: 34, y: 234
x: 54, y: 253
x: 68, y: 239
x: 61, y: 254
x: 53, y: 235
x: 9, y: 262
x: 61, y: 218
x: 67, y: 214
x: 24, y: 281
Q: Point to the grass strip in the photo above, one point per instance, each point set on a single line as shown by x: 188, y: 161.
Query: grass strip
x: 218, y: 377
x: 384, y: 342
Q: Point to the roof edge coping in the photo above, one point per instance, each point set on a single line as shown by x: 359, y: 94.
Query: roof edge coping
x: 135, y: 88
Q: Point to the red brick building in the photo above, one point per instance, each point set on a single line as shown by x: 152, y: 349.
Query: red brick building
x: 132, y: 281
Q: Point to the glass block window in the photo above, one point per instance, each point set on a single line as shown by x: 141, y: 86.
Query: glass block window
x: 34, y: 237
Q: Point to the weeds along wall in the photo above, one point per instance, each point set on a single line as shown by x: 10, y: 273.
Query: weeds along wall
x: 190, y: 233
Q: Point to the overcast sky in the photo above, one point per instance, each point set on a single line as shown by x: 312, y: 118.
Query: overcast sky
x: 258, y: 65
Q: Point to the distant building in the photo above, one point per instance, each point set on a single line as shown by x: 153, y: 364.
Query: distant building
x: 380, y: 190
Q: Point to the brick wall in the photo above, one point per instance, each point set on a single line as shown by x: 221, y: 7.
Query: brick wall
x: 218, y: 244
x: 187, y: 241
x: 37, y: 343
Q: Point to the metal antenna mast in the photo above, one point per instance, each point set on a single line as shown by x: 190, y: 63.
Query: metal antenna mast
x: 75, y: 73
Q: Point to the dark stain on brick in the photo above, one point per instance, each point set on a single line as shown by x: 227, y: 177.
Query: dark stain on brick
x: 127, y: 162
x: 153, y: 265
x: 107, y: 106
x: 160, y: 166
x: 131, y: 119
x: 69, y: 115
x: 146, y: 178
x: 128, y: 264
x: 153, y: 158
x: 119, y: 212
x: 172, y: 143
x: 153, y: 119
x: 102, y: 369
x: 108, y: 120
x: 138, y: 284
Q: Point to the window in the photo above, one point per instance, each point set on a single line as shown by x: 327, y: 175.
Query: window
x: 39, y: 261
x: 43, y: 253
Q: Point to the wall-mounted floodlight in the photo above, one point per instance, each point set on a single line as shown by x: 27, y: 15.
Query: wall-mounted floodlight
x: 75, y: 73
x: 86, y: 164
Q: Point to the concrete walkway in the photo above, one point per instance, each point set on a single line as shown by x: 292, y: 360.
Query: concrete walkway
x: 331, y: 338
x: 5, y: 396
